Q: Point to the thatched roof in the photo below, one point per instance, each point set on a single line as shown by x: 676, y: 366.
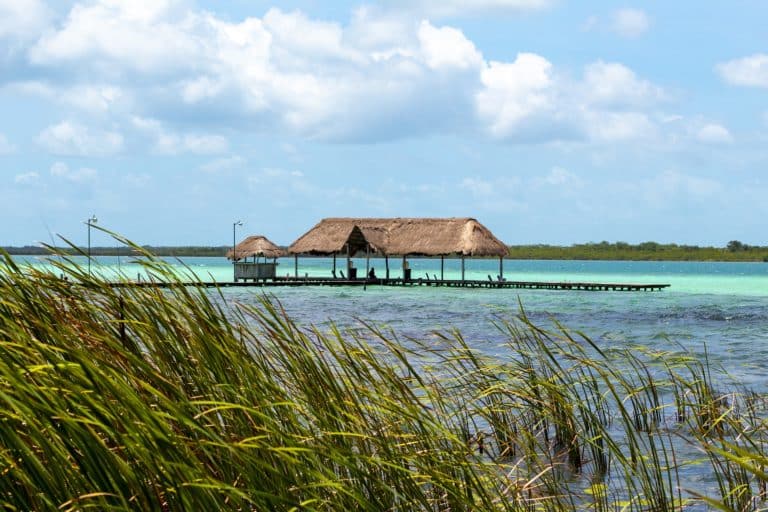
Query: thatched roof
x: 399, y: 237
x: 255, y: 246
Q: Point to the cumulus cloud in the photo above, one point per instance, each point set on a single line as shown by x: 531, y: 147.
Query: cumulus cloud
x: 23, y: 19
x: 749, y: 71
x: 614, y: 84
x: 90, y: 98
x: 630, y: 23
x: 527, y: 101
x: 170, y: 143
x: 515, y: 92
x: 70, y: 138
x: 381, y: 77
x: 447, y: 47
x: 714, y: 133
x: 116, y: 37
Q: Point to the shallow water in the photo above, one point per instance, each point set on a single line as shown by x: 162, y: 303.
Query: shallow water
x: 715, y: 310
x: 718, y: 307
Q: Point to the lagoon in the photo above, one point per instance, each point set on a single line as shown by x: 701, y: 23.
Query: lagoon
x: 720, y: 308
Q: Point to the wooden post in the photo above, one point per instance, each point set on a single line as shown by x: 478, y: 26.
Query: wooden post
x: 403, y: 267
x: 501, y: 268
x: 334, y: 264
x: 349, y: 262
x: 367, y: 260
x: 295, y: 265
x: 462, y: 267
x: 386, y: 263
x: 442, y: 267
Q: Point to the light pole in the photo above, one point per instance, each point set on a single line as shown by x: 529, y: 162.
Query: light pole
x: 90, y: 222
x: 234, y: 241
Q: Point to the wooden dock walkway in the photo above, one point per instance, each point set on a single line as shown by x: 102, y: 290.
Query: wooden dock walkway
x: 451, y: 283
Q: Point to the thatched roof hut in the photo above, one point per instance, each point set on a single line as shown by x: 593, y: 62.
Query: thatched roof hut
x: 256, y: 245
x: 400, y: 237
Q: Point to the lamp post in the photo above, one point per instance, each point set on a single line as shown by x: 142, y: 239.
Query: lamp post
x: 234, y: 242
x: 90, y: 222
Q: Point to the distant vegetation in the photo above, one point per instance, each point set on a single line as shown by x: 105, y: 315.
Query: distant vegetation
x: 646, y: 251
x: 189, y: 250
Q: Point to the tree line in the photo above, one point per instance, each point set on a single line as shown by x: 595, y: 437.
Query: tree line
x: 645, y: 251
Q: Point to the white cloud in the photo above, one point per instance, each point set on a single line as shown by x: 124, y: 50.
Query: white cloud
x: 27, y: 178
x: 69, y: 138
x: 318, y: 39
x: 630, y: 23
x: 749, y: 71
x: 6, y: 148
x: 514, y: 92
x: 447, y: 47
x: 170, y: 143
x: 92, y: 98
x: 613, y: 84
x: 110, y: 35
x: 714, y: 133
x: 383, y: 76
x: 82, y: 175
x: 23, y: 19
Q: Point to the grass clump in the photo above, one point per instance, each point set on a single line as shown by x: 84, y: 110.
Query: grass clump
x: 147, y: 398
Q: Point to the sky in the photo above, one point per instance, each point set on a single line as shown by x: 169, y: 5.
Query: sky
x: 549, y: 121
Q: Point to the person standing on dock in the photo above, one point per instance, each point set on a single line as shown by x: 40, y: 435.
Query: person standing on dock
x: 372, y: 273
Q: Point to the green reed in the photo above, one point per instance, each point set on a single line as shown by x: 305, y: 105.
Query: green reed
x: 147, y: 398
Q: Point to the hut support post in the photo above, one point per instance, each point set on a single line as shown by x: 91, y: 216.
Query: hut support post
x: 349, y: 261
x: 367, y: 260
x: 501, y: 268
x: 334, y: 264
x: 386, y: 264
x: 442, y: 267
x: 404, y: 265
x: 295, y: 265
x: 462, y: 267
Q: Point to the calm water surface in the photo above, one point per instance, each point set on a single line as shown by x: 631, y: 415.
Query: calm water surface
x: 720, y: 307
x: 717, y: 309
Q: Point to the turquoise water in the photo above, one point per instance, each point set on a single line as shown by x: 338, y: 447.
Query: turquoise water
x: 718, y: 307
x: 715, y: 310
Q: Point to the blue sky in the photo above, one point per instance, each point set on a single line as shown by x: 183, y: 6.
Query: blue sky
x: 550, y: 121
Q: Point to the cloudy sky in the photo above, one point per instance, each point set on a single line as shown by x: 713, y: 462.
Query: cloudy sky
x: 551, y: 121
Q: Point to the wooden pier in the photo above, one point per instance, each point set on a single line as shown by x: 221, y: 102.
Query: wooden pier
x: 451, y: 283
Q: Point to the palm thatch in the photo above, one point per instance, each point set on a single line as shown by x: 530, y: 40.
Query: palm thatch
x: 256, y: 245
x: 400, y: 237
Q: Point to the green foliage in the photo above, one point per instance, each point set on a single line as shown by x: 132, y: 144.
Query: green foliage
x: 141, y: 398
x: 124, y: 250
x: 646, y: 251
